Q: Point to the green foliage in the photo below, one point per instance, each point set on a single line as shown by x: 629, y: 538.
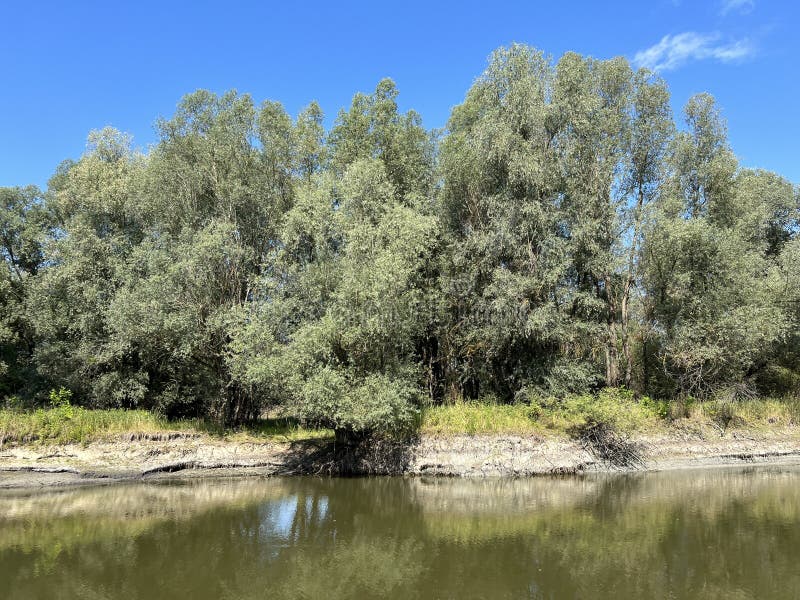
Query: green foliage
x: 25, y: 223
x: 660, y: 407
x: 715, y: 291
x: 60, y: 402
x: 483, y: 417
x: 561, y: 238
x: 333, y: 329
x: 87, y: 425
x: 613, y: 407
x: 548, y: 171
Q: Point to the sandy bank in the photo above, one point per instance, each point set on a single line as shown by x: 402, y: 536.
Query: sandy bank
x: 453, y: 456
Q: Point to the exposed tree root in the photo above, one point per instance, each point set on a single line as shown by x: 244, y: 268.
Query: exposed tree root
x: 606, y: 444
x: 362, y: 455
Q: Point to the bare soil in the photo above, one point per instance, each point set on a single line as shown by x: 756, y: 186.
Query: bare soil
x: 149, y: 457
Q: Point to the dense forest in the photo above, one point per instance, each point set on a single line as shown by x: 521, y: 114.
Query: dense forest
x: 565, y: 233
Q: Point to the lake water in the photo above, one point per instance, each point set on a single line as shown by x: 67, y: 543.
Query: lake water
x: 697, y: 534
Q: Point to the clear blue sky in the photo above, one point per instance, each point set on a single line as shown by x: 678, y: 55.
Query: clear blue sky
x: 69, y: 67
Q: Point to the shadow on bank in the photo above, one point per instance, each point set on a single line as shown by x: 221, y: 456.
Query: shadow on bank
x: 350, y: 453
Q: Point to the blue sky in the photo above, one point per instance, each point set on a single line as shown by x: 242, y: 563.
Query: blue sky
x: 69, y: 67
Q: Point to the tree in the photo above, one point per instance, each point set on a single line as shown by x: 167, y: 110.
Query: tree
x: 504, y: 286
x: 98, y: 223
x: 712, y: 311
x: 332, y: 334
x: 374, y: 128
x: 642, y: 175
x: 548, y: 171
x: 560, y: 236
x: 24, y: 223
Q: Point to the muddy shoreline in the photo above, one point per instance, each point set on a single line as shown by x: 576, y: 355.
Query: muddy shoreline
x: 180, y: 456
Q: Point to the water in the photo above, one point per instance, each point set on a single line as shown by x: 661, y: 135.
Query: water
x: 706, y: 534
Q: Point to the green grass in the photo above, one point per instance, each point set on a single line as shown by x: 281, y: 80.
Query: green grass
x: 69, y: 424
x: 272, y: 429
x: 761, y: 413
x: 72, y: 424
x: 546, y: 416
x: 79, y: 425
x: 478, y: 418
x: 616, y: 407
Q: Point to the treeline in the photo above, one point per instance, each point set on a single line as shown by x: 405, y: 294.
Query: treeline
x: 562, y: 235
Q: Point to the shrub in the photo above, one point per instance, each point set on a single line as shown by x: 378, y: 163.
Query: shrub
x: 60, y: 400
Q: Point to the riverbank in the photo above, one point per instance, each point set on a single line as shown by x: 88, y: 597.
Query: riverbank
x: 197, y: 455
x: 608, y: 432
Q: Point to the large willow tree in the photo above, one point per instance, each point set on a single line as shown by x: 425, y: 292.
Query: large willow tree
x: 549, y: 172
x: 333, y: 331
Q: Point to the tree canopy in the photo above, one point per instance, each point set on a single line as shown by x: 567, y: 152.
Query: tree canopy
x: 563, y: 234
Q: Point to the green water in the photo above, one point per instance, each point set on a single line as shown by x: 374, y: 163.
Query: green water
x: 705, y: 534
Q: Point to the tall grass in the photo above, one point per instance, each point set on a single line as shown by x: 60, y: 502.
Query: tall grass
x: 75, y: 424
x: 758, y: 413
x: 78, y: 425
x: 479, y: 418
x: 617, y: 408
x: 545, y: 415
x: 67, y: 424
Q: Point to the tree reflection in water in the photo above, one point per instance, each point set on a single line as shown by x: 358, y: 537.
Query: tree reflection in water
x: 711, y: 534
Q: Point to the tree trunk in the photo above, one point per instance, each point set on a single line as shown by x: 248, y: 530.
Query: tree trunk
x: 626, y: 290
x: 612, y: 352
x: 626, y: 341
x: 612, y: 358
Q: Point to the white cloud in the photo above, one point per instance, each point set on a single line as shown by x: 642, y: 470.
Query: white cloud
x: 674, y: 51
x: 742, y: 6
